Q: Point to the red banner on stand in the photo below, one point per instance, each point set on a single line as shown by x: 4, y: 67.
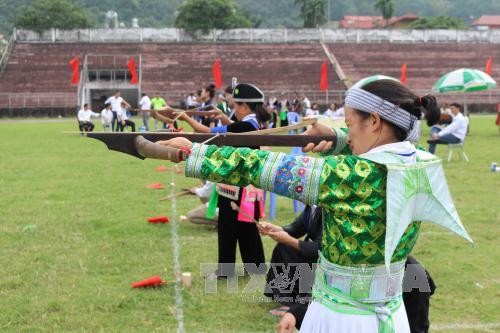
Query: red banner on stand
x: 217, y: 73
x: 489, y: 66
x: 133, y: 71
x: 75, y: 67
x: 403, y: 74
x: 323, y: 82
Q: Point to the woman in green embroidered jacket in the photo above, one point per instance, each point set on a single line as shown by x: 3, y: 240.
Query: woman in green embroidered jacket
x: 371, y: 185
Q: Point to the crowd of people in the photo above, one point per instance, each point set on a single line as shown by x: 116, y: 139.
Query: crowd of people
x: 115, y: 116
x: 452, y: 127
x: 283, y: 111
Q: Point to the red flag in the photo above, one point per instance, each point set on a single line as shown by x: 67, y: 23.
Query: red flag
x: 75, y: 66
x: 489, y: 66
x: 403, y: 74
x: 323, y: 82
x: 217, y: 73
x: 133, y: 71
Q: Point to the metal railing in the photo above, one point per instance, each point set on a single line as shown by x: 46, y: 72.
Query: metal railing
x: 338, y: 96
x: 67, y: 100
x: 107, y: 61
x: 33, y: 100
x: 108, y: 75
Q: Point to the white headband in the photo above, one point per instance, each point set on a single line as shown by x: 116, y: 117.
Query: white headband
x: 365, y: 101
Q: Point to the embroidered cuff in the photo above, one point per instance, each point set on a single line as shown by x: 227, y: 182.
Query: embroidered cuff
x: 195, y: 160
x: 341, y: 141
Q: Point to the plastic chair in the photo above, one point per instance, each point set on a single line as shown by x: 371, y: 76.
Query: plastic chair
x: 459, y: 149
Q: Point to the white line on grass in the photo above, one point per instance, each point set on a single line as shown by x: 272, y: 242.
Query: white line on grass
x: 487, y: 327
x: 177, y: 266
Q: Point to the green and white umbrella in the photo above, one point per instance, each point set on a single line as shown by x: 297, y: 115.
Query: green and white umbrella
x: 464, y: 80
x: 372, y: 78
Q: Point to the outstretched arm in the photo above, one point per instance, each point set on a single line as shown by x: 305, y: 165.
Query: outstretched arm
x: 322, y: 181
x: 156, y: 115
x: 198, y: 127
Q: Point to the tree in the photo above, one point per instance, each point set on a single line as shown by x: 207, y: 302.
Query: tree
x: 313, y: 12
x: 386, y: 8
x: 46, y: 14
x: 439, y: 22
x: 203, y: 15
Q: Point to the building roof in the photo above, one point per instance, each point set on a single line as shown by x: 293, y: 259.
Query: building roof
x: 488, y: 20
x: 372, y: 22
x: 361, y: 22
x: 405, y: 17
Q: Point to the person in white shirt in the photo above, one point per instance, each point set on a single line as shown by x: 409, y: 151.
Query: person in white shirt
x: 339, y: 113
x: 330, y: 111
x: 198, y: 215
x: 453, y: 133
x: 145, y: 104
x: 123, y: 119
x: 305, y: 102
x: 314, y: 111
x: 116, y: 101
x: 84, y: 116
x: 107, y: 118
x: 191, y: 101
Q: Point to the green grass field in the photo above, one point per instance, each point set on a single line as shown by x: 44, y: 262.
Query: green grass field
x: 73, y: 236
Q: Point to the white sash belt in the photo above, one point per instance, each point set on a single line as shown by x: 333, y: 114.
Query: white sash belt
x: 367, y: 284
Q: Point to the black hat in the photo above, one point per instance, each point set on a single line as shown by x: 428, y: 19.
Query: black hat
x: 244, y: 92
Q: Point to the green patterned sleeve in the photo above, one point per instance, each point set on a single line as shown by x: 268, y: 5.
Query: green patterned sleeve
x: 320, y: 181
x: 293, y: 176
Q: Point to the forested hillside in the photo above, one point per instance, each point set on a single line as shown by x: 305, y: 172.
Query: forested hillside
x: 275, y: 13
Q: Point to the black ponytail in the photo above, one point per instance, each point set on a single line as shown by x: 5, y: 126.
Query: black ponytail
x: 258, y: 108
x: 211, y: 90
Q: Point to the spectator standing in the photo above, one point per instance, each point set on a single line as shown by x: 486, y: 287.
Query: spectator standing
x: 305, y: 101
x: 145, y: 105
x: 283, y: 111
x: 293, y: 117
x: 116, y: 101
x: 207, y: 99
x: 158, y: 103
x: 191, y: 101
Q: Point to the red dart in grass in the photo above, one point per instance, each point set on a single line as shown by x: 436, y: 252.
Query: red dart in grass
x: 156, y: 186
x: 153, y: 281
x: 158, y: 219
x: 161, y: 168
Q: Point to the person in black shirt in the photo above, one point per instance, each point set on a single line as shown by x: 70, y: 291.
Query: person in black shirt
x: 207, y: 99
x: 251, y: 116
x: 285, y: 284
